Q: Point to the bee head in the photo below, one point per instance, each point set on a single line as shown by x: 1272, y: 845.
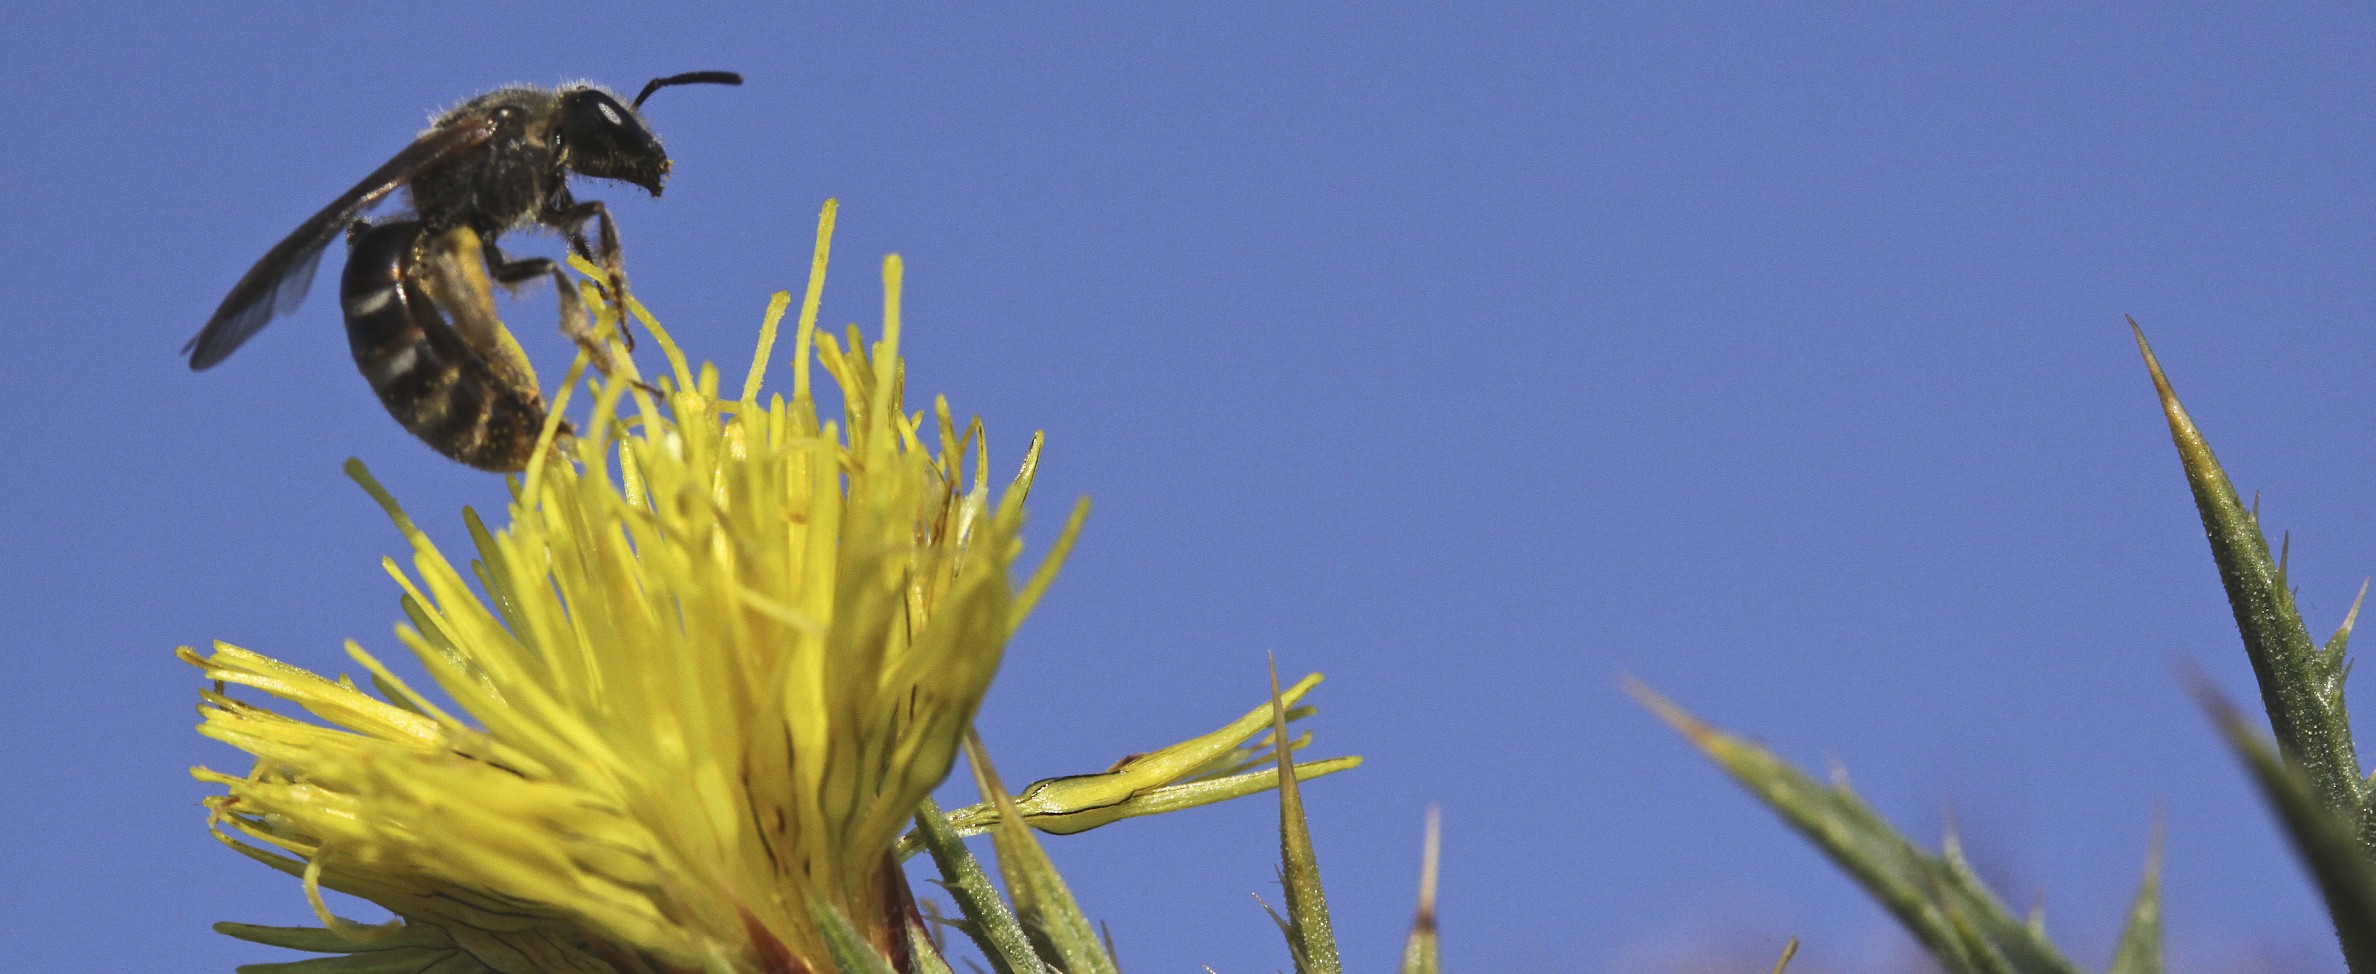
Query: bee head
x: 605, y: 139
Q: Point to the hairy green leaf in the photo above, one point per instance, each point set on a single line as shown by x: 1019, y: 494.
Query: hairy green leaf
x: 2326, y: 840
x: 2301, y: 685
x: 1309, y: 932
x: 987, y: 919
x: 1049, y: 915
x: 1937, y: 898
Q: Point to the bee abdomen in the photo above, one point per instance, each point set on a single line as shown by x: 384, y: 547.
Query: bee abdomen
x: 435, y: 385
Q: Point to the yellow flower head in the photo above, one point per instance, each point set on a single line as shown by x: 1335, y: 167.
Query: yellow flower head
x: 717, y: 657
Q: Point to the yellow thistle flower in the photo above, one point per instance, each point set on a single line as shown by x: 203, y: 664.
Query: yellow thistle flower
x: 719, y: 655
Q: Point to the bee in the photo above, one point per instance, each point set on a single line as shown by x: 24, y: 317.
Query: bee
x: 498, y: 162
x: 420, y: 319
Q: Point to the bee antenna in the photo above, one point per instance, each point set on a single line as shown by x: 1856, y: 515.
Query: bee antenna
x: 688, y: 78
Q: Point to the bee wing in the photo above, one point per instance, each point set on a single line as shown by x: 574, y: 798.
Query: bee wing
x: 277, y: 284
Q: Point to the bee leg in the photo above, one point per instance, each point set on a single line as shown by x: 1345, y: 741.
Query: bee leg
x: 571, y: 217
x: 575, y: 322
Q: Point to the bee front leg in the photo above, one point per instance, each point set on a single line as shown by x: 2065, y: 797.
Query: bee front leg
x: 570, y: 217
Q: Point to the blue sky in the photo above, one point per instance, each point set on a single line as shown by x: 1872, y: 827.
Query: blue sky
x: 1772, y: 354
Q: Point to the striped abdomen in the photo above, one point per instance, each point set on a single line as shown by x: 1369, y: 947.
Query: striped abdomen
x: 421, y: 322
